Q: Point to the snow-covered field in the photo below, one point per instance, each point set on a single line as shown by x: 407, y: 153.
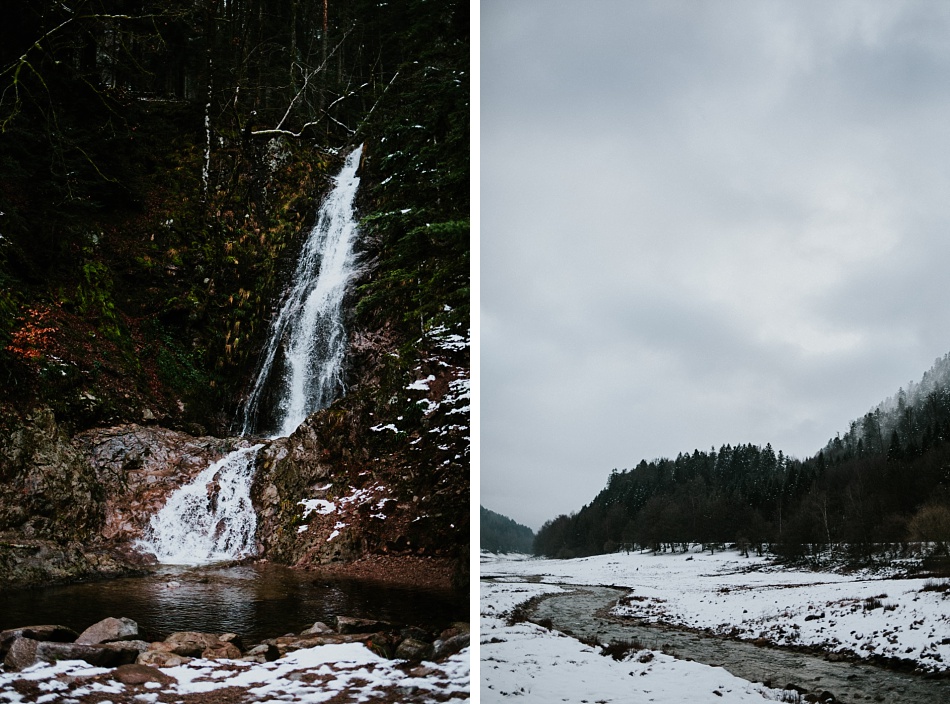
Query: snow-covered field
x: 341, y: 673
x: 752, y: 599
x: 530, y: 664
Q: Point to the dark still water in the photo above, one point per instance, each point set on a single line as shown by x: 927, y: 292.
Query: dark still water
x: 255, y: 601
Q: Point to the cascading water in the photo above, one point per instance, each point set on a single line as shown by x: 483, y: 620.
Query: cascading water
x: 308, y: 330
x: 212, y: 518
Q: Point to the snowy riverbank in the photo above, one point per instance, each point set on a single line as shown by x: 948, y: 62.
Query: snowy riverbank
x: 855, y: 614
x: 537, y: 665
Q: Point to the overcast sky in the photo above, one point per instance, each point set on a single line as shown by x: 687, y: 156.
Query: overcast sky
x: 702, y: 223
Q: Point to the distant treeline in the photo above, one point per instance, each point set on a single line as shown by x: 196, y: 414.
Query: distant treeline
x: 501, y: 534
x: 886, y: 482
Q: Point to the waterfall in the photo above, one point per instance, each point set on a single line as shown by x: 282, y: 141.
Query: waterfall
x: 306, y: 339
x: 212, y: 519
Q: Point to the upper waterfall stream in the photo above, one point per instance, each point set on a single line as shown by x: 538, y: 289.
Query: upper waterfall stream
x: 212, y: 519
x: 307, y: 341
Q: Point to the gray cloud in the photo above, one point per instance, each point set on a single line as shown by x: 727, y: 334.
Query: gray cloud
x: 701, y: 223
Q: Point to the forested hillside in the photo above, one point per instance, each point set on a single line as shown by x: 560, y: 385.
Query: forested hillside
x: 501, y: 534
x: 884, y: 484
x: 160, y: 160
x: 161, y: 164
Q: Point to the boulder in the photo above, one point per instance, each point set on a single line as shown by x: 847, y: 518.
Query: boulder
x: 449, y: 646
x: 139, y: 646
x: 221, y: 651
x: 24, y: 652
x: 105, y: 655
x: 161, y: 658
x: 21, y: 653
x: 316, y: 629
x: 137, y: 673
x: 416, y: 633
x: 290, y: 643
x: 191, y: 643
x: 59, y: 634
x: 350, y: 624
x: 267, y: 651
x: 412, y: 649
x: 109, y: 629
x: 232, y: 638
x: 454, y: 629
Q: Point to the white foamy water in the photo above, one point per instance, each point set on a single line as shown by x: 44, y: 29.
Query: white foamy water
x: 307, y: 340
x: 209, y: 520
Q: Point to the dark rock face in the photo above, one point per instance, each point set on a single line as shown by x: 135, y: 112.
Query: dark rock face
x: 47, y: 489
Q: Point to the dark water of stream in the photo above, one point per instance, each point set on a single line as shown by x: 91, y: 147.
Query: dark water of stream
x: 849, y: 682
x: 255, y: 601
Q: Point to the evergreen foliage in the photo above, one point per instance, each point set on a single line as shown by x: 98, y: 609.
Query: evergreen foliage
x: 885, y: 483
x: 161, y: 161
x: 499, y: 533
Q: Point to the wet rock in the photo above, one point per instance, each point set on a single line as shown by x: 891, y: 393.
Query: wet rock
x: 450, y: 646
x: 161, y: 658
x: 422, y: 671
x: 232, y: 638
x: 59, y: 634
x: 412, y: 649
x: 253, y: 658
x: 26, y: 651
x: 221, y: 651
x: 137, y: 673
x: 316, y: 629
x: 139, y: 646
x: 191, y: 643
x: 267, y: 651
x: 350, y: 624
x: 139, y: 466
x: 456, y: 628
x: 289, y: 643
x: 109, y: 629
x: 417, y: 633
x: 21, y: 653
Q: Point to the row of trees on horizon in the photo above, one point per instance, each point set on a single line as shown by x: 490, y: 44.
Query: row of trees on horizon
x: 883, y: 484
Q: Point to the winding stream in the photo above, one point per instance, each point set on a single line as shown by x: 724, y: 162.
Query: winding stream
x: 582, y: 613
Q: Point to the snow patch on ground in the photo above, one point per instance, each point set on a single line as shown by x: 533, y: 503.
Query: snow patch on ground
x: 341, y: 673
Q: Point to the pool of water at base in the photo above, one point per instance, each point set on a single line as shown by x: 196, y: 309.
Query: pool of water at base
x: 256, y: 601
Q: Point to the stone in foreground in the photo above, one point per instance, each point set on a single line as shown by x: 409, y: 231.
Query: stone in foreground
x: 108, y: 630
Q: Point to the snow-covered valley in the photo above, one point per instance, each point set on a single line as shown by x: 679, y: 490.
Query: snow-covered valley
x: 842, y: 618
